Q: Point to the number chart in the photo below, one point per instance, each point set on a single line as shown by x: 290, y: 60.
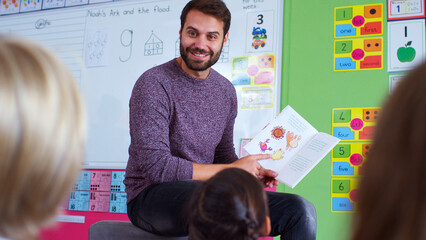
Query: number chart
x: 354, y: 124
x: 406, y: 9
x: 98, y: 191
x: 347, y: 159
x: 358, y: 54
x: 358, y: 21
x: 355, y: 127
x: 344, y: 193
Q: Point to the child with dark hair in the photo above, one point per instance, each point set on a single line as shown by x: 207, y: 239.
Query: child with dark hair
x: 231, y: 205
x: 392, y: 192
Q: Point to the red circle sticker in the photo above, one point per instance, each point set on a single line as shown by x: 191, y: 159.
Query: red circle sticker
x: 353, y: 195
x: 358, y: 54
x: 356, y: 159
x: 357, y: 124
x: 358, y: 21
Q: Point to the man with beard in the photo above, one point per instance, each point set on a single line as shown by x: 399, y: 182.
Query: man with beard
x: 182, y: 116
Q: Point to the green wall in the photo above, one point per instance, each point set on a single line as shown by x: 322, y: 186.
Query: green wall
x: 313, y: 89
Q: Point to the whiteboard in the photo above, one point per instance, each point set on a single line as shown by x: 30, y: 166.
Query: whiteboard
x: 108, y: 45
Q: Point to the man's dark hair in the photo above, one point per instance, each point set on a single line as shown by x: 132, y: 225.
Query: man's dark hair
x: 216, y: 8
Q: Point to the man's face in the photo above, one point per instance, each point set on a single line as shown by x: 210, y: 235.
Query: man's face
x: 201, y: 41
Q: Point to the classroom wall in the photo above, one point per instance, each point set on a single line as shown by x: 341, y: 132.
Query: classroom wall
x: 313, y: 89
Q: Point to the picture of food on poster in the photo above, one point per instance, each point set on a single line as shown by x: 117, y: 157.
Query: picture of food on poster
x: 255, y: 77
x: 406, y: 44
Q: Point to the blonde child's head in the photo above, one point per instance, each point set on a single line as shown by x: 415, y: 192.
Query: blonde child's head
x: 42, y: 133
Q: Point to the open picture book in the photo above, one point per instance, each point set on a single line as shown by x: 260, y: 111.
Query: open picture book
x: 296, y: 146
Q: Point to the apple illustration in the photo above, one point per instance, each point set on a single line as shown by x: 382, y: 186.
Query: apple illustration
x: 407, y: 53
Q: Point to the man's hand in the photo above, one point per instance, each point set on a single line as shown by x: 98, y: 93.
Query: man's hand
x: 250, y: 164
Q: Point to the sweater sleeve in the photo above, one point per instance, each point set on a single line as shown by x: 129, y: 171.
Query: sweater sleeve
x: 149, y: 151
x: 225, y: 150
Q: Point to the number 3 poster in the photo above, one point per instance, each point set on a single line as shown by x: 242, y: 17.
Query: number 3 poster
x: 260, y: 32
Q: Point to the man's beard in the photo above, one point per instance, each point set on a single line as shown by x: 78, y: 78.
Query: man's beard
x: 199, y: 65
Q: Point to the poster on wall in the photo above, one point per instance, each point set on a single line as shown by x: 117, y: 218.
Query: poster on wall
x: 358, y: 54
x: 260, y: 31
x: 358, y: 21
x: 406, y: 9
x: 406, y: 44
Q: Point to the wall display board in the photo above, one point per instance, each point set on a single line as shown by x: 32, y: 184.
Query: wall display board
x: 353, y: 54
x: 98, y: 191
x: 355, y: 127
x: 313, y: 86
x: 108, y: 45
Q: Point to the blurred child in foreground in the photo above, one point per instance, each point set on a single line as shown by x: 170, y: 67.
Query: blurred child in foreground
x: 42, y: 135
x: 392, y: 194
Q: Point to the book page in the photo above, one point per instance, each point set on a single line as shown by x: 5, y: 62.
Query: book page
x: 282, y: 138
x: 306, y: 159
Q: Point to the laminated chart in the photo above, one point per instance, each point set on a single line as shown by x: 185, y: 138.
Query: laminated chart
x: 344, y: 193
x: 358, y: 54
x: 79, y: 201
x: 347, y: 159
x: 83, y: 182
x: 358, y: 21
x: 355, y: 127
x: 98, y: 191
x: 117, y: 179
x: 100, y: 181
x: 118, y: 202
x: 398, y: 9
x: 354, y: 124
x: 394, y: 81
x: 9, y: 6
x: 53, y: 4
x: 30, y: 5
x: 253, y: 70
x: 261, y: 97
x: 99, y: 201
x: 406, y: 44
x: 76, y: 2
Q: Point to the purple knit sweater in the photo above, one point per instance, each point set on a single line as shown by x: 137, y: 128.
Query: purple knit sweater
x: 176, y: 119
